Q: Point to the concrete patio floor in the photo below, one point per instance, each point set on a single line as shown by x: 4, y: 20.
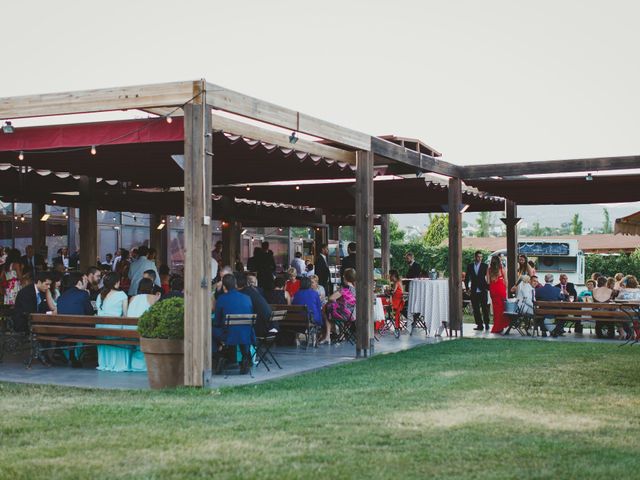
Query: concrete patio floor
x: 293, y: 360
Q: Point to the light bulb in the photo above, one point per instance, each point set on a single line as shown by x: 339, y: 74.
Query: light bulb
x: 169, y: 119
x: 93, y: 149
x: 21, y: 156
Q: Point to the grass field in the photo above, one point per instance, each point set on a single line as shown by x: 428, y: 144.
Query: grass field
x: 462, y: 409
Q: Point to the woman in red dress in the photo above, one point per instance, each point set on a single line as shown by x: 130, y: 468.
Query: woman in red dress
x: 497, y: 279
x: 397, y: 303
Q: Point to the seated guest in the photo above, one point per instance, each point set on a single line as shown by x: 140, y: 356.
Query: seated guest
x: 260, y: 306
x: 618, y: 281
x: 587, y: 295
x: 54, y: 292
x: 549, y: 293
x: 94, y: 276
x: 75, y: 299
x: 31, y: 299
x: 147, y: 296
x: 176, y: 290
x: 342, y: 304
x: 112, y: 302
x: 279, y: 296
x: 602, y: 293
x: 567, y: 289
x: 165, y: 278
x: 232, y: 302
x: 611, y: 284
x: 309, y: 297
x: 535, y: 283
x: 252, y: 280
x: 151, y: 275
x: 293, y: 284
x: 631, y: 290
x: 58, y: 267
x: 218, y: 289
x: 309, y: 270
x: 315, y: 285
x: 524, y: 295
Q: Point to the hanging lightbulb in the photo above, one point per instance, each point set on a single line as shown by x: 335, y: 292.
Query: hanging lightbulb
x: 93, y: 149
x: 22, y: 217
x: 248, y: 188
x: 297, y: 187
x: 21, y: 156
x: 55, y: 201
x: 169, y: 119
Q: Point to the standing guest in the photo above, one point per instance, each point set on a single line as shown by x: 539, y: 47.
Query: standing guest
x: 293, y: 284
x: 147, y: 296
x: 265, y: 267
x: 232, y: 302
x: 497, y: 279
x: 33, y: 260
x: 177, y: 289
x: 112, y: 303
x: 309, y: 297
x: 152, y: 255
x: 63, y: 257
x: 122, y: 269
x: 74, y: 259
x: 349, y: 261
x: 476, y: 282
x: 397, y: 299
x: 137, y: 269
x: 298, y: 264
x: 322, y: 268
x: 165, y: 278
x: 253, y: 261
x: 217, y: 254
x: 549, y: 293
x: 94, y: 275
x: 279, y: 296
x: 214, y: 269
x: 11, y: 276
x: 108, y: 262
x: 260, y: 306
x: 414, y: 270
x: 31, y: 299
x: 116, y: 260
x: 524, y: 268
x: 341, y: 305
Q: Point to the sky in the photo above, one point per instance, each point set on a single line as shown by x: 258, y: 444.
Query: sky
x: 481, y: 81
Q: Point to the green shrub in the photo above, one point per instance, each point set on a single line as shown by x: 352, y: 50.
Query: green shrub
x: 609, y: 265
x: 164, y: 319
x: 428, y: 257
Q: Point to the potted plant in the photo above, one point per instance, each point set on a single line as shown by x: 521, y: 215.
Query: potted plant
x: 161, y: 330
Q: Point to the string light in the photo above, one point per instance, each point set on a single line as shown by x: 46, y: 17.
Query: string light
x: 93, y: 149
x: 297, y: 187
x: 248, y: 188
x: 22, y: 217
x: 169, y: 119
x: 21, y: 156
x: 55, y: 201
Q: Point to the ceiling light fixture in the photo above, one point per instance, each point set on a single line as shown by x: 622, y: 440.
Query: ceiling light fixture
x: 589, y: 177
x: 93, y: 149
x: 45, y: 217
x: 293, y: 139
x: 8, y: 128
x: 21, y: 155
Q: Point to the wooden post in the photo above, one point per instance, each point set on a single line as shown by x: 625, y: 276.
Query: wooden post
x: 231, y: 243
x: 159, y: 238
x: 364, y: 252
x: 455, y: 255
x: 88, y: 223
x: 385, y: 245
x: 511, y: 222
x: 38, y: 233
x: 197, y: 237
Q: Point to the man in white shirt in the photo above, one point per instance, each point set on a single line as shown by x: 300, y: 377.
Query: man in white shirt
x: 137, y: 269
x: 298, y: 264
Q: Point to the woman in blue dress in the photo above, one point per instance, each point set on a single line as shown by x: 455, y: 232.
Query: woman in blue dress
x: 137, y: 306
x: 113, y: 303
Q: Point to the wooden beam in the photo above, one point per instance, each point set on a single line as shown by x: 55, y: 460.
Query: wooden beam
x: 197, y: 236
x: 422, y: 162
x: 38, y: 234
x: 97, y: 100
x: 470, y: 172
x: 230, y: 125
x: 223, y: 99
x: 455, y: 255
x: 364, y: 252
x: 231, y: 234
x: 88, y: 223
x: 385, y: 244
x: 511, y: 223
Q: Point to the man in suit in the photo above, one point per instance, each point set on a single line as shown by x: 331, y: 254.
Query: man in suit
x: 322, y: 268
x: 33, y: 260
x: 414, y: 267
x: 265, y: 267
x: 75, y: 301
x: 260, y: 306
x: 476, y: 283
x: 63, y: 257
x: 349, y: 261
x: 568, y: 290
x: 549, y: 293
x: 31, y: 299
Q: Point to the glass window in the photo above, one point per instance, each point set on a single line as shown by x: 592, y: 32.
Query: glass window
x: 176, y: 250
x: 6, y: 217
x: 133, y: 237
x: 132, y: 218
x: 110, y: 218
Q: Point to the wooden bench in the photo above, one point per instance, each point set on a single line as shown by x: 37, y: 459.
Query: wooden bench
x: 74, y: 329
x: 298, y: 320
x: 605, y: 315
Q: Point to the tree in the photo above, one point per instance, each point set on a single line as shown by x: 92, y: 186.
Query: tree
x: 576, y: 225
x: 485, y: 223
x: 606, y: 225
x: 396, y: 234
x: 437, y: 231
x: 536, y: 231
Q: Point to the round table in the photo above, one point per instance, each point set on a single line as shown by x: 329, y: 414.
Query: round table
x: 378, y: 311
x: 430, y: 298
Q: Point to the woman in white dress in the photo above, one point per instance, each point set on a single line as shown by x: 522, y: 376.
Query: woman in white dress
x: 525, y: 295
x: 137, y: 306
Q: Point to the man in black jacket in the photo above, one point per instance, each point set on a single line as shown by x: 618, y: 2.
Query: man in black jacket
x: 31, y: 299
x: 476, y: 283
x: 568, y: 289
x: 260, y: 306
x: 414, y: 267
x: 349, y: 261
x: 322, y: 268
x: 33, y: 260
x: 265, y: 267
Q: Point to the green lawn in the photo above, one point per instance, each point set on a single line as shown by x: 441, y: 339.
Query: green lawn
x: 463, y: 409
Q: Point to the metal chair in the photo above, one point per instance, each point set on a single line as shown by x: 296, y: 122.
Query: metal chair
x: 266, y: 342
x: 233, y: 324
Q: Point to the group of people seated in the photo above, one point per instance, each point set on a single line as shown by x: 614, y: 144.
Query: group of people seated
x: 129, y: 291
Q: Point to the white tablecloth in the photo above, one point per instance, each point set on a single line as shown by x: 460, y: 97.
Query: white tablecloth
x: 378, y: 310
x: 430, y: 298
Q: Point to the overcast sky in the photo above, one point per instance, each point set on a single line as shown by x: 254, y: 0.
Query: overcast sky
x: 481, y: 81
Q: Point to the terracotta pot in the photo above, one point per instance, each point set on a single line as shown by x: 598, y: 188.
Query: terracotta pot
x: 165, y: 361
